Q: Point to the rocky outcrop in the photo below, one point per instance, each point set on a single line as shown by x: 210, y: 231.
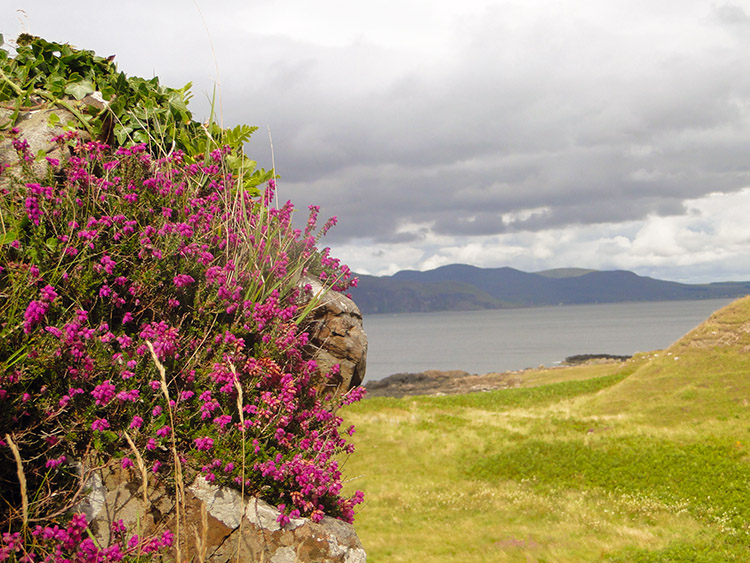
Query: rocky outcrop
x: 337, y: 337
x: 35, y: 128
x: 216, y: 524
x: 435, y: 382
x: 579, y: 359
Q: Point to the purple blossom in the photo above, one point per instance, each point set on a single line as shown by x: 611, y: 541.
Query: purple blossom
x: 223, y: 420
x: 104, y: 392
x: 129, y: 396
x: 34, y: 314
x: 108, y: 264
x: 163, y: 338
x: 48, y: 293
x: 52, y: 463
x: 204, y: 444
x: 181, y: 280
x: 32, y: 210
x: 100, y: 424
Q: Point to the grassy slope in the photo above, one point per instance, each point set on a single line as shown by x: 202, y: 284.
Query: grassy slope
x: 645, y: 461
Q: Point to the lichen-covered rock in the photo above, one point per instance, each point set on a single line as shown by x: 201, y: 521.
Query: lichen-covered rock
x: 216, y: 525
x: 35, y: 128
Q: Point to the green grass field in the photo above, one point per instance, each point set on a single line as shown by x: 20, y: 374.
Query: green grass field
x: 644, y: 461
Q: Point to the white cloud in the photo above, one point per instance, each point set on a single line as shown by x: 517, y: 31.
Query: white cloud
x: 709, y: 242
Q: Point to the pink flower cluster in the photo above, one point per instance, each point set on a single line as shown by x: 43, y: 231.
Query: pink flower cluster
x: 127, y: 253
x: 57, y: 544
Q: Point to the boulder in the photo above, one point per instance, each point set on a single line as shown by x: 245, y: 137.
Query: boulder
x: 34, y: 126
x: 337, y: 337
x: 217, y: 525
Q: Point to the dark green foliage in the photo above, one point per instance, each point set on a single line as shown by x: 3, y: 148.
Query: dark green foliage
x: 136, y: 110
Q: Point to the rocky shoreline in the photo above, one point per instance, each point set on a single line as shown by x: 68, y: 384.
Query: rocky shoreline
x: 435, y: 382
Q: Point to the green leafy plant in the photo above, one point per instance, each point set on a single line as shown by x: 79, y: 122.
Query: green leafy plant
x: 115, y: 108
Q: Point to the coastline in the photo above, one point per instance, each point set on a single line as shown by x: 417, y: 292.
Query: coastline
x: 452, y: 382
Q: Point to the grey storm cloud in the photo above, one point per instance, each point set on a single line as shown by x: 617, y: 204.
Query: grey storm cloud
x: 512, y: 117
x: 614, y: 132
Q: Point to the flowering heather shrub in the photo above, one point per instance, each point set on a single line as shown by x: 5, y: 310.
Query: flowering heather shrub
x: 151, y: 309
x: 72, y: 543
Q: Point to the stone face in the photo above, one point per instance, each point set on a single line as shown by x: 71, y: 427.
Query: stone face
x: 337, y: 337
x: 217, y: 524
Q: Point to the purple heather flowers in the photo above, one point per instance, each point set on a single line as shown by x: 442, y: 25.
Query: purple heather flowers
x: 125, y: 253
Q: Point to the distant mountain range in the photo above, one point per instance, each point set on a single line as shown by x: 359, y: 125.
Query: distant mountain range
x: 459, y: 287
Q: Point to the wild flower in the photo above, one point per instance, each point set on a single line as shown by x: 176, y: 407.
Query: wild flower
x: 178, y: 259
x: 100, y: 424
x: 204, y: 444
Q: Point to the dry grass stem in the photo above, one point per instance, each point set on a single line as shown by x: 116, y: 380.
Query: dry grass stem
x: 240, y: 403
x: 179, y: 482
x: 141, y: 467
x: 21, y: 479
x: 201, y: 541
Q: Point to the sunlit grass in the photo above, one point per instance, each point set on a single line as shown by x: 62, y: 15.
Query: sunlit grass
x: 643, y: 461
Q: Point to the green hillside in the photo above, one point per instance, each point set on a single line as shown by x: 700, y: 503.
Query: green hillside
x: 701, y: 376
x: 647, y: 460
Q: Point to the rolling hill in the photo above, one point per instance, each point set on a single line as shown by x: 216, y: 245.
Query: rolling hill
x: 461, y: 287
x: 703, y: 374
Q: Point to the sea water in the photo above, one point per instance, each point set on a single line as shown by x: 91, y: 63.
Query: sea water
x: 510, y: 339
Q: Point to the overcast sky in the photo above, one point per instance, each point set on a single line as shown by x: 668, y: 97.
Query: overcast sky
x: 533, y: 133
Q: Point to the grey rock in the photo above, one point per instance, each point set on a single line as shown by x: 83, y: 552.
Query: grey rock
x: 34, y: 127
x: 217, y: 525
x: 337, y: 336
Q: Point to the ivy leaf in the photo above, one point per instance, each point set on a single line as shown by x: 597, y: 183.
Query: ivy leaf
x: 80, y: 89
x: 9, y: 237
x: 122, y: 133
x: 140, y: 137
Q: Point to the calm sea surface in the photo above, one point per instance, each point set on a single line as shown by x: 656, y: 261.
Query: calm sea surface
x: 510, y: 339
